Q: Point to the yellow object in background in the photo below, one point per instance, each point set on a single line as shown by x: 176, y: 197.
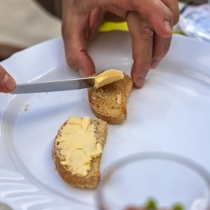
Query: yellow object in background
x: 113, y: 26
x: 121, y: 26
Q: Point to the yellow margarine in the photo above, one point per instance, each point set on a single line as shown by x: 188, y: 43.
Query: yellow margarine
x: 108, y: 77
x: 78, y: 145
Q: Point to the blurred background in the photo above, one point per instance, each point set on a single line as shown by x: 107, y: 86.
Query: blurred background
x: 24, y: 23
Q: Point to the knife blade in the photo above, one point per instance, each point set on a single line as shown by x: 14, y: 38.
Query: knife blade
x: 52, y: 86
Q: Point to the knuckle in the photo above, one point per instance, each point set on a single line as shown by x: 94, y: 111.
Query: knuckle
x: 140, y: 26
x: 146, y: 32
x: 143, y: 31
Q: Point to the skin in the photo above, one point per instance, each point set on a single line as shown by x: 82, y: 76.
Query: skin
x: 150, y: 25
x: 7, y: 83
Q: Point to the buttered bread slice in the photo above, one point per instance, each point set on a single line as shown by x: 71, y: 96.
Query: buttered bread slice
x: 78, y: 149
x: 108, y: 99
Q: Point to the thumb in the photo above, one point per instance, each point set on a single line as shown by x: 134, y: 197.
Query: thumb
x: 7, y: 83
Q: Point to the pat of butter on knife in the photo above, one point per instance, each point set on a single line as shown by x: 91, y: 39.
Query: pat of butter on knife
x: 102, y: 79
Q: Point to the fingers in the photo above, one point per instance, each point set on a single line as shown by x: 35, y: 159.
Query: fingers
x: 173, y: 5
x: 161, y: 45
x: 75, y: 36
x: 150, y: 23
x: 158, y: 14
x: 161, y: 14
x: 142, y: 47
x: 148, y: 48
x: 7, y: 83
x: 77, y: 28
x: 160, y: 49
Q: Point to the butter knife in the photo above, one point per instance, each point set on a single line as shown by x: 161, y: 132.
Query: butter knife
x: 52, y: 86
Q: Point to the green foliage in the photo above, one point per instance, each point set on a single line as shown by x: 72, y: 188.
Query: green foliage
x: 151, y: 205
x: 177, y: 207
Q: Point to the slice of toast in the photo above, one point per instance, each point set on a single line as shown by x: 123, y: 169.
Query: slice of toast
x: 109, y: 102
x: 92, y: 178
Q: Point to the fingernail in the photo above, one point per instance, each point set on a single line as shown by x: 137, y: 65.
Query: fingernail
x: 81, y: 73
x: 155, y: 63
x: 140, y: 81
x: 9, y: 82
x: 168, y: 26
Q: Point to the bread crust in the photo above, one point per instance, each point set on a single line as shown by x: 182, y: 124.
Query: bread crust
x: 123, y: 88
x: 92, y: 179
x: 108, y: 118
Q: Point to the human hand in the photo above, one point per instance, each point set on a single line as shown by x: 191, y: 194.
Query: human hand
x: 150, y: 24
x: 7, y: 83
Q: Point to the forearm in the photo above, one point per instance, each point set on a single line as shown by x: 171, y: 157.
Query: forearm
x: 52, y: 6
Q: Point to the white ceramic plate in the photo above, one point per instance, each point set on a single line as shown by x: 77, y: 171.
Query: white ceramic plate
x: 170, y: 113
